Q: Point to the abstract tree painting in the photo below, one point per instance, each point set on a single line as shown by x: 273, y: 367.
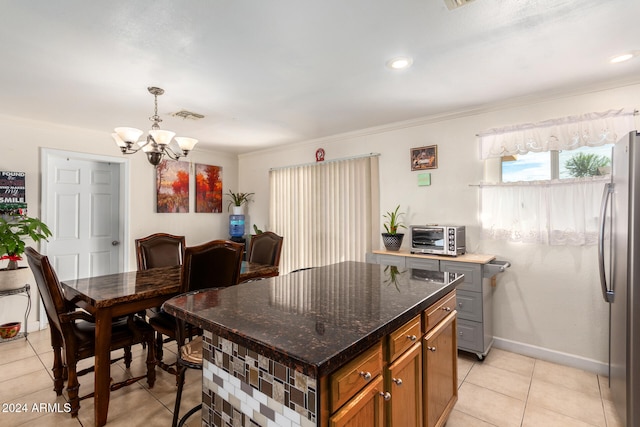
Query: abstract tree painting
x: 208, y: 188
x: 172, y: 185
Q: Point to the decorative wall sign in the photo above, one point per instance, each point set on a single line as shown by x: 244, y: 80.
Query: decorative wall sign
x: 208, y: 188
x: 424, y: 158
x: 424, y: 179
x: 172, y: 185
x: 320, y: 155
x: 12, y: 193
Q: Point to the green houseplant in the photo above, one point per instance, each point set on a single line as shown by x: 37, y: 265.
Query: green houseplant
x: 392, y: 239
x: 13, y: 230
x: 238, y: 199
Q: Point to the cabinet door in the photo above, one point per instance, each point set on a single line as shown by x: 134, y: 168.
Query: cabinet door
x: 365, y: 409
x: 440, y: 358
x: 405, y: 379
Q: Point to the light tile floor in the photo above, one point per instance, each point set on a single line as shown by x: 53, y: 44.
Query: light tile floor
x: 506, y: 389
x: 26, y: 379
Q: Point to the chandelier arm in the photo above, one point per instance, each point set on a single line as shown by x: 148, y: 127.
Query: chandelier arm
x: 170, y: 153
x: 129, y: 149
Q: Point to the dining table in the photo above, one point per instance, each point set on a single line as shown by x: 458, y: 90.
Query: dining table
x: 120, y: 294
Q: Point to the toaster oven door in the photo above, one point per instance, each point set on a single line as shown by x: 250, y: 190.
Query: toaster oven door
x: 428, y: 240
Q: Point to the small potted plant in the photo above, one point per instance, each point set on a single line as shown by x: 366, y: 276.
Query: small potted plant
x: 392, y: 239
x: 12, y: 231
x: 237, y: 200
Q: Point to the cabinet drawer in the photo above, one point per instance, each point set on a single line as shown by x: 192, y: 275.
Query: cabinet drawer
x: 422, y: 263
x: 439, y: 310
x: 469, y: 305
x: 472, y: 274
x: 404, y: 337
x: 470, y: 336
x: 398, y: 261
x: 348, y: 380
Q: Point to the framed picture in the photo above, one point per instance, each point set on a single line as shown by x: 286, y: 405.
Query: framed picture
x: 172, y: 185
x: 208, y: 188
x: 424, y: 158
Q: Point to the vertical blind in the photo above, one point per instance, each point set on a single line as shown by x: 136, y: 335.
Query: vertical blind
x: 327, y: 212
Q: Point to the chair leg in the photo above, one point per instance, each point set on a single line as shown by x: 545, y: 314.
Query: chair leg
x: 189, y: 413
x: 159, y: 343
x: 176, y: 410
x: 151, y: 362
x: 127, y: 356
x: 58, y: 371
x: 73, y: 388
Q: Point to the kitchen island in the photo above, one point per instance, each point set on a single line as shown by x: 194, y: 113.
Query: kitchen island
x: 317, y: 347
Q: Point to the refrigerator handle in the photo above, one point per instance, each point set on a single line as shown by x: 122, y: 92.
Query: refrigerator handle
x: 607, y: 293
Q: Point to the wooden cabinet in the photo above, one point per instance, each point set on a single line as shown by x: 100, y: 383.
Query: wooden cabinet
x: 363, y: 410
x: 440, y: 365
x: 413, y: 385
x: 357, y: 394
x: 404, y: 378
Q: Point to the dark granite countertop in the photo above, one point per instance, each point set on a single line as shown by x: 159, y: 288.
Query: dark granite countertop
x: 315, y: 320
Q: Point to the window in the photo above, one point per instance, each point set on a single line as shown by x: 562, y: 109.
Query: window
x: 581, y: 162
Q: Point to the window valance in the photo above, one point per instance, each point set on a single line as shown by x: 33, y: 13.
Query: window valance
x: 566, y: 133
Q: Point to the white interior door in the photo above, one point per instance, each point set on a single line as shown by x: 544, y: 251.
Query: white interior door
x: 83, y: 211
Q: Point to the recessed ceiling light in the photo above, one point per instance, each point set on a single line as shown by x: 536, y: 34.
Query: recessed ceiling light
x: 399, y: 63
x: 624, y: 57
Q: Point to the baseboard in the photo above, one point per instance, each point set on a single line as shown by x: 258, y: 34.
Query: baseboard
x: 590, y: 365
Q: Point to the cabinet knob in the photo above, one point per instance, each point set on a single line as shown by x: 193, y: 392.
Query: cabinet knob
x: 398, y: 381
x: 412, y: 337
x: 431, y: 349
x: 386, y: 395
x: 366, y: 375
x: 446, y: 308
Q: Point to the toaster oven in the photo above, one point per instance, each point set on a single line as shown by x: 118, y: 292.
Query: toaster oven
x: 438, y: 239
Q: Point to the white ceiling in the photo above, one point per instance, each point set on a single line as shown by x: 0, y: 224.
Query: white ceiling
x: 266, y: 73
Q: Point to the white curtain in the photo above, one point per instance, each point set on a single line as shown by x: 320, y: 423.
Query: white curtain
x: 327, y: 212
x: 551, y: 212
x: 566, y: 133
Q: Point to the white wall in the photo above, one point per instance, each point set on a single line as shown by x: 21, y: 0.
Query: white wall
x: 549, y: 300
x: 20, y: 151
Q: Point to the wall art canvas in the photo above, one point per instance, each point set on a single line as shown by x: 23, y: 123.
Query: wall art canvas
x: 172, y: 185
x: 208, y: 188
x: 424, y: 158
x: 12, y: 193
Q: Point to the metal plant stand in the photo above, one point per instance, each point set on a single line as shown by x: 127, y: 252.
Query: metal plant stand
x: 26, y: 290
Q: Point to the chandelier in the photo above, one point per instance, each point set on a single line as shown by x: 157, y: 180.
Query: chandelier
x: 156, y: 145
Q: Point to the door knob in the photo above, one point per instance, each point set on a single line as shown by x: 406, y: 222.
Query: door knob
x: 115, y: 243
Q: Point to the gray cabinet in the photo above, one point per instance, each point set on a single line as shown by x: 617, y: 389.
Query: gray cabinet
x: 475, y: 307
x: 474, y: 300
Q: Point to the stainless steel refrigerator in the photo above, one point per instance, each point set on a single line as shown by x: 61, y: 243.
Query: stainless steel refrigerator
x: 619, y: 257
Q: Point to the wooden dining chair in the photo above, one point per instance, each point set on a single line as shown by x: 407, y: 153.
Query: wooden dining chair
x: 265, y: 248
x: 212, y: 265
x: 155, y: 251
x: 73, y: 331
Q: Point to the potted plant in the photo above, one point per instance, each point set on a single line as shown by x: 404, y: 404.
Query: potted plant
x: 392, y: 239
x: 237, y: 200
x: 12, y: 231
